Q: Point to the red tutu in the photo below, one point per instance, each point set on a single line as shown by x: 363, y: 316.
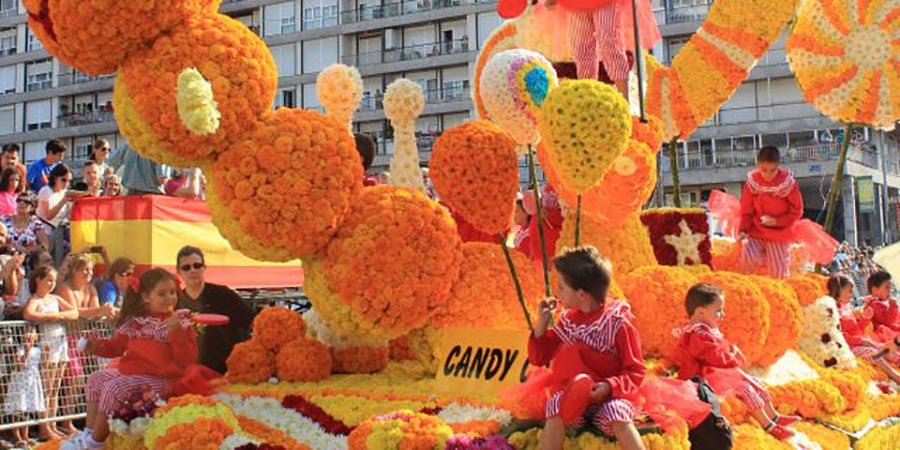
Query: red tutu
x: 196, y: 379
x: 729, y: 382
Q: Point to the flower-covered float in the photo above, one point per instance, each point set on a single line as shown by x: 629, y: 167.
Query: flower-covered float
x: 390, y: 279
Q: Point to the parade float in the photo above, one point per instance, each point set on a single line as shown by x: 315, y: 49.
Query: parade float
x: 413, y: 333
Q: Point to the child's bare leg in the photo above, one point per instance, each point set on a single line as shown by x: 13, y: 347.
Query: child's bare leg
x: 17, y: 435
x: 554, y: 434
x: 627, y: 435
x: 92, y: 415
x: 889, y: 371
x: 762, y: 417
x: 622, y: 86
x: 100, y: 430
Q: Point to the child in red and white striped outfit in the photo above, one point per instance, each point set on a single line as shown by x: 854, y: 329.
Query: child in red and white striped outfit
x: 157, y: 347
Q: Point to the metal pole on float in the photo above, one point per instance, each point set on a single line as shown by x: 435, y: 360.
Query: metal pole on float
x: 639, y: 59
x: 885, y: 191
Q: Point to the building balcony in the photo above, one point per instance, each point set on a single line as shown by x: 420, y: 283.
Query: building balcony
x: 396, y: 9
x: 408, y: 53
x: 682, y: 14
x: 732, y: 158
x: 85, y: 118
x: 68, y: 79
x: 454, y: 91
x: 9, y: 12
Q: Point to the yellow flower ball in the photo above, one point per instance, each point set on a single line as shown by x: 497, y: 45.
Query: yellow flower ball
x: 627, y: 246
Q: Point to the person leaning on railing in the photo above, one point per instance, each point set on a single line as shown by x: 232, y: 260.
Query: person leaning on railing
x: 11, y: 274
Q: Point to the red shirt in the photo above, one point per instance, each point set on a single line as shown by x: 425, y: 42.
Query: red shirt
x: 885, y: 313
x: 147, y: 348
x: 853, y: 327
x: 553, y: 223
x: 701, y: 346
x: 779, y: 198
x: 607, y: 342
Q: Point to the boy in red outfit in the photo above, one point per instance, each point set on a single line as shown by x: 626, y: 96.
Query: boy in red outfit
x: 702, y: 351
x: 601, y: 340
x: 879, y: 304
x: 770, y: 207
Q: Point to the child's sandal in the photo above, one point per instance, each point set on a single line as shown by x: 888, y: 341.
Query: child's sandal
x: 786, y: 421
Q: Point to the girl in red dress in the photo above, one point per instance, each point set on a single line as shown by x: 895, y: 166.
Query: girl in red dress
x: 703, y: 352
x: 157, y: 347
x: 591, y: 336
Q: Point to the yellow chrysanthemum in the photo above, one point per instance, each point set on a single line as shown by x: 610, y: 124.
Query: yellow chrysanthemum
x: 340, y: 89
x: 196, y: 105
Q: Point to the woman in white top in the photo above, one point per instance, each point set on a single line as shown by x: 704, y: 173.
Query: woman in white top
x: 54, y: 198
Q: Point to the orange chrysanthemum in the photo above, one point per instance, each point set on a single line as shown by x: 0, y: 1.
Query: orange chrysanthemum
x: 288, y: 183
x: 184, y: 400
x: 360, y: 359
x: 274, y: 327
x: 390, y: 267
x: 475, y: 169
x: 269, y: 435
x: 747, y: 310
x: 250, y: 362
x: 627, y: 246
x: 68, y: 28
x: 234, y: 60
x: 484, y: 296
x: 401, y: 350
x: 202, y: 434
x: 405, y: 430
x: 807, y: 290
x: 303, y: 360
x: 785, y: 317
x: 656, y: 295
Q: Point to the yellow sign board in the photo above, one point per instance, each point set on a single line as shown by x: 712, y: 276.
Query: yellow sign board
x: 481, y: 362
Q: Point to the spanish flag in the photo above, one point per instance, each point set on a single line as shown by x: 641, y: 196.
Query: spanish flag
x: 151, y: 229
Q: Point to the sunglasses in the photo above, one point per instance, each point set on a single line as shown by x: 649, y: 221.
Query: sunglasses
x: 195, y: 266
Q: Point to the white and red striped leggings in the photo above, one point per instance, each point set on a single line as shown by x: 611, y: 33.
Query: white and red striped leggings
x: 597, y: 36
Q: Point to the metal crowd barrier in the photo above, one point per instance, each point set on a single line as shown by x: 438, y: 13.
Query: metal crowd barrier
x: 27, y: 375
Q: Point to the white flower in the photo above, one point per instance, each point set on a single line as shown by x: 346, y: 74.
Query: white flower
x: 821, y: 337
x: 403, y: 102
x: 270, y: 412
x: 457, y: 413
x: 340, y: 89
x: 791, y: 367
x: 318, y: 328
x: 237, y: 440
x: 801, y: 441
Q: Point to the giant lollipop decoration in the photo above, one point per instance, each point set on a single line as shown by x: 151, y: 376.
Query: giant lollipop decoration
x: 514, y: 85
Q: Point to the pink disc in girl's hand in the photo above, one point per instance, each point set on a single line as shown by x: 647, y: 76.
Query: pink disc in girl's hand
x: 211, y: 319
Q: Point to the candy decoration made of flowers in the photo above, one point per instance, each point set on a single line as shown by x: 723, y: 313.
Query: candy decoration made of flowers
x: 656, y: 295
x: 68, y: 28
x: 275, y: 327
x: 349, y: 354
x: 400, y: 430
x: 228, y: 55
x: 286, y: 185
x: 680, y: 237
x: 502, y: 39
x: 389, y: 268
x: 845, y: 56
x: 749, y: 312
x: 340, y: 89
x: 403, y: 102
x: 514, y: 86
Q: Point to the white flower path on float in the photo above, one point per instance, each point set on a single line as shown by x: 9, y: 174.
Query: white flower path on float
x: 457, y: 413
x: 270, y: 412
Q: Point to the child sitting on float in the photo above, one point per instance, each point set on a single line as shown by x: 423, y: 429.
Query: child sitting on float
x: 702, y: 351
x: 881, y: 307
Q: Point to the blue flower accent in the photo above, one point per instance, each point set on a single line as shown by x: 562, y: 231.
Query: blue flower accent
x: 537, y: 83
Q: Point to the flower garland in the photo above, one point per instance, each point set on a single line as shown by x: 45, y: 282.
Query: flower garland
x: 403, y: 102
x: 656, y: 295
x: 269, y: 434
x: 530, y: 440
x: 340, y: 89
x: 679, y: 236
x: 200, y: 433
x: 585, y: 126
x: 749, y: 311
x: 852, y: 386
x: 250, y: 362
x: 483, y: 296
x: 298, y: 426
x: 405, y: 430
x: 751, y: 436
x: 229, y: 55
x: 303, y: 360
x: 785, y: 316
x: 829, y: 439
x: 475, y: 170
x: 627, y: 246
x: 843, y: 56
x: 390, y: 267
x: 809, y: 398
x: 821, y: 337
x: 314, y: 412
x: 317, y: 155
x: 275, y: 326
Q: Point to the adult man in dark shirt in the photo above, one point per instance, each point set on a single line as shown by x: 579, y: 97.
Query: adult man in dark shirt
x: 215, y: 342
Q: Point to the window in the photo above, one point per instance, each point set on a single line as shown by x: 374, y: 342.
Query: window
x: 319, y: 53
x: 319, y: 14
x: 82, y: 149
x: 7, y: 80
x: 674, y: 46
x: 285, y: 59
x: 487, y: 23
x: 280, y: 19
x: 8, y: 119
x: 37, y: 115
x: 35, y: 151
x: 34, y: 44
x: 310, y: 97
x: 8, y: 8
x: 285, y: 98
x: 8, y: 41
x: 39, y: 75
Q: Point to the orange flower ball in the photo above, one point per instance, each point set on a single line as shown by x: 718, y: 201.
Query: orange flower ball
x: 287, y: 184
x: 650, y: 133
x: 69, y: 29
x: 361, y: 359
x: 234, y: 60
x: 475, y: 169
x: 201, y: 433
x: 303, y: 360
x: 250, y: 362
x: 274, y: 327
x: 746, y: 312
x: 726, y: 255
x: 807, y: 289
x: 405, y: 429
x: 785, y: 317
x: 656, y: 295
x: 627, y: 246
x: 230, y: 229
x: 484, y: 296
x: 390, y: 267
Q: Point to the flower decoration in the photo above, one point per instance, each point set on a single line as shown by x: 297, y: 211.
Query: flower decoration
x: 656, y: 295
x: 753, y: 436
x: 349, y: 354
x: 197, y: 107
x: 189, y: 410
x: 231, y: 230
x: 272, y: 420
x: 530, y: 440
x: 585, y: 125
x: 340, y: 89
x: 750, y: 310
x: 400, y: 349
x: 679, y: 236
x: 66, y: 28
x: 208, y: 433
x: 845, y: 59
x: 403, y: 102
x: 390, y: 267
x: 467, y: 442
x: 514, y: 84
x: 250, y: 362
x: 852, y: 386
x: 319, y: 159
x: 475, y: 170
x: 482, y: 297
x: 821, y: 337
x: 502, y: 39
x: 807, y: 289
x: 829, y: 439
x: 275, y: 438
x: 303, y: 360
x: 627, y: 246
x: 275, y: 326
x: 405, y: 430
x: 785, y: 316
x: 227, y: 54
x: 143, y: 403
x: 880, y: 437
x: 809, y: 398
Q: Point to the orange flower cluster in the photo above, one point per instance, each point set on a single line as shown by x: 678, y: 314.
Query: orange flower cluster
x: 475, y: 169
x: 650, y: 133
x: 405, y: 430
x: 274, y: 327
x: 476, y: 427
x: 749, y: 311
x: 627, y: 246
x: 809, y: 398
x: 289, y: 182
x: 250, y: 362
x: 359, y: 359
x: 69, y: 31
x: 202, y: 434
x: 303, y: 360
x: 401, y: 350
x: 185, y: 400
x: 656, y: 295
x: 785, y: 319
x: 483, y: 296
x: 229, y: 55
x: 807, y: 290
x: 390, y: 267
x: 852, y: 386
x: 269, y: 435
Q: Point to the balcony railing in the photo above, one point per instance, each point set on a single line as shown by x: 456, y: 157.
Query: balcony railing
x: 762, y: 113
x: 9, y: 12
x: 408, y: 53
x: 66, y: 79
x: 747, y: 158
x: 396, y: 9
x: 85, y: 118
x: 452, y: 92
x: 683, y: 14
